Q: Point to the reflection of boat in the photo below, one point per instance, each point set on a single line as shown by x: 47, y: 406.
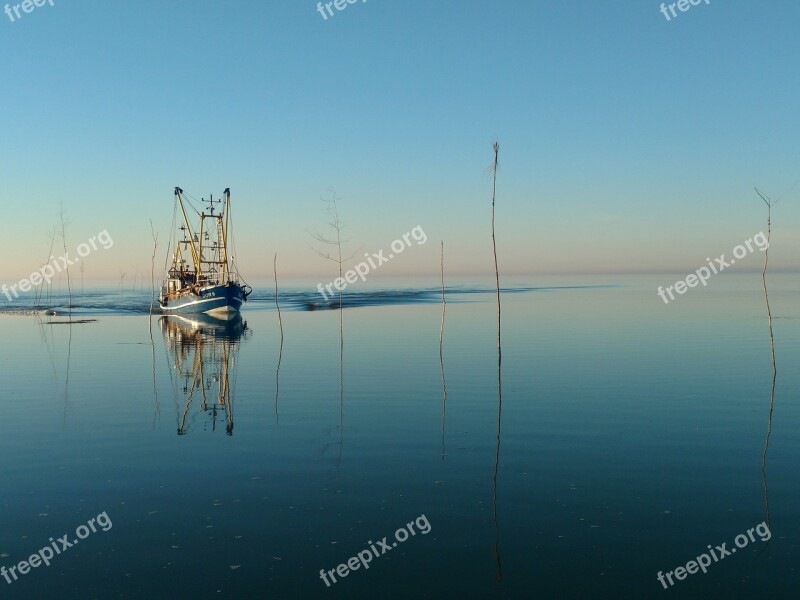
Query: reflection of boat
x: 206, y: 282
x: 204, y: 351
x: 207, y: 325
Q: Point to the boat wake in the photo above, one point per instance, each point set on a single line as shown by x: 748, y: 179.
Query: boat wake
x: 110, y: 303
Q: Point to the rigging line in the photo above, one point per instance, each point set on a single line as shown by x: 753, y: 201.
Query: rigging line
x: 233, y: 243
x: 234, y: 262
x: 232, y: 240
x: 191, y: 200
x: 171, y: 233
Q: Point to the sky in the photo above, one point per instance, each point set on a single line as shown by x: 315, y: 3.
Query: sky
x: 629, y: 143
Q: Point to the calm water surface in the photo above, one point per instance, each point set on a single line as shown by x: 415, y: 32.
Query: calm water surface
x: 631, y: 437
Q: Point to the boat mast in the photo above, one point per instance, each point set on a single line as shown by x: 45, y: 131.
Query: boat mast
x: 224, y: 240
x: 200, y: 244
x: 195, y: 256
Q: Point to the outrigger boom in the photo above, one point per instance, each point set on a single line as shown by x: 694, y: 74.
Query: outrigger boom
x: 209, y: 282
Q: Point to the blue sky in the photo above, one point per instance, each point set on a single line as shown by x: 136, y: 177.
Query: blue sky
x: 628, y: 143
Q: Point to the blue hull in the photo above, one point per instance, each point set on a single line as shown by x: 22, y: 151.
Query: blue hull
x: 218, y: 299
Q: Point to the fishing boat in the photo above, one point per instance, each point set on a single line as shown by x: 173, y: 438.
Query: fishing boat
x: 203, y: 277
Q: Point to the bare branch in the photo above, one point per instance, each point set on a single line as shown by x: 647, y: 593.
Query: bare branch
x: 768, y: 201
x: 325, y: 256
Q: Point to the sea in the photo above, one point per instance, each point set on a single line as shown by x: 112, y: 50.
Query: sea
x: 393, y: 449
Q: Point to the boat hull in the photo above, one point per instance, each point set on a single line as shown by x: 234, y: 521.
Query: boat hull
x: 217, y: 300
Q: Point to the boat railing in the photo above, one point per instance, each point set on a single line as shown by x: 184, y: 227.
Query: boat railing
x: 178, y: 279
